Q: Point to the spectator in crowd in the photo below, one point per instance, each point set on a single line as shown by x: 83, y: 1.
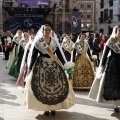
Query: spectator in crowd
x: 95, y: 47
x: 89, y: 40
x: 3, y: 40
x: 0, y: 44
x: 102, y: 43
x: 73, y: 37
x: 100, y: 36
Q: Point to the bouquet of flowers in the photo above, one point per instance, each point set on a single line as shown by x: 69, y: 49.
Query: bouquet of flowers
x: 69, y: 67
x: 94, y: 58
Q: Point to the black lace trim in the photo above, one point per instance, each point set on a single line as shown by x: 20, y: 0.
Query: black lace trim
x: 49, y: 82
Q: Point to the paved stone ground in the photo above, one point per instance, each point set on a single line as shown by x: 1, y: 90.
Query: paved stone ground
x: 12, y: 108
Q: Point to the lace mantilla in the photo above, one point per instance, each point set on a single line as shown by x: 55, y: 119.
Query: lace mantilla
x: 16, y: 40
x: 84, y: 48
x: 23, y: 43
x: 41, y: 47
x: 114, y: 45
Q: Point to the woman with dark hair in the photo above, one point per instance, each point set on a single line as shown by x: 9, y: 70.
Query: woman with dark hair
x: 106, y: 86
x: 89, y: 39
x: 4, y: 41
x: 102, y: 43
x: 67, y: 46
x: 83, y: 74
x: 8, y: 44
x: 16, y: 39
x: 47, y: 87
x: 95, y: 47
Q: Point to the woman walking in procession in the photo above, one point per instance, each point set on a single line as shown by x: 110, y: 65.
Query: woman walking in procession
x: 15, y: 43
x: 24, y: 66
x: 106, y: 86
x: 47, y: 87
x: 83, y: 74
x: 15, y: 67
x: 67, y: 46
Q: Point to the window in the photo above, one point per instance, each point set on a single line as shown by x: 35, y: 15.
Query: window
x: 118, y: 17
x: 88, y: 16
x: 110, y: 2
x: 101, y: 17
x: 101, y: 30
x: 87, y: 25
x: 81, y: 6
x: 82, y: 16
x: 101, y: 14
x: 82, y: 25
x: 111, y: 14
x: 88, y: 6
x: 102, y: 4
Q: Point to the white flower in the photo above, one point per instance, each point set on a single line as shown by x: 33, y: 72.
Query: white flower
x: 94, y: 57
x: 68, y: 65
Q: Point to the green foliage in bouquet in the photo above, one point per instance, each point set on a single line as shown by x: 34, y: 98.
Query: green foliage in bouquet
x: 70, y: 71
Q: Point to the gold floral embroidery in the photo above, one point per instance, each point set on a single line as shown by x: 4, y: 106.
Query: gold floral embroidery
x: 41, y: 39
x: 114, y: 40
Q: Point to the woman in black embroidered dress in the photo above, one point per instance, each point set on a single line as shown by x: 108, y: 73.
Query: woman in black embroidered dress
x: 47, y: 87
x: 108, y: 89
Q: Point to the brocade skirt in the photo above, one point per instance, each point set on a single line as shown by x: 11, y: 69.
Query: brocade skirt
x: 47, y: 87
x: 83, y: 75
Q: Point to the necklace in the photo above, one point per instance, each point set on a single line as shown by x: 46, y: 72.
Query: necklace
x: 47, y: 40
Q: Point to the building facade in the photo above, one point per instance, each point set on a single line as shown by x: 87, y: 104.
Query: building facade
x: 57, y: 12
x: 108, y: 15
x: 60, y: 16
x: 87, y: 9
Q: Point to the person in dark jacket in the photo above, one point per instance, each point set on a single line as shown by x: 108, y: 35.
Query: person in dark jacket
x: 95, y: 47
x: 3, y: 40
x: 8, y: 44
x: 73, y: 37
x: 89, y: 39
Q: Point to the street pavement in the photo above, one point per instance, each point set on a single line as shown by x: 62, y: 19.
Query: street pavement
x: 12, y: 107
